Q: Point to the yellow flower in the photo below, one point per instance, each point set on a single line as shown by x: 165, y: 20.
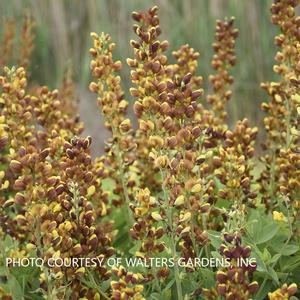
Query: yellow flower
x: 156, y: 216
x: 91, y: 191
x: 179, y: 200
x: 279, y: 216
x: 277, y: 295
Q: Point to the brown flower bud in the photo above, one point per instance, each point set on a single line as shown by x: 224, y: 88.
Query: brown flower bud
x: 133, y: 63
x: 183, y: 134
x: 51, y: 193
x: 93, y: 241
x: 19, y: 185
x: 93, y: 87
x: 221, y: 289
x: 87, y: 142
x: 221, y: 277
x: 168, y: 123
x: 138, y: 109
x: 134, y: 92
x: 253, y: 287
x: 135, y: 44
x: 60, y: 189
x: 245, y: 182
x: 20, y: 199
x: 44, y: 153
x: 3, y: 140
x: 159, y: 232
x: 187, y: 78
x: 196, y: 94
x: 156, y: 66
x: 8, y: 203
x: 162, y: 86
x: 205, y: 207
x: 70, y: 153
x: 125, y: 126
x: 292, y: 289
x: 196, y: 131
x: 154, y: 47
x: 217, y: 161
x: 165, y: 108
x: 15, y: 166
x: 172, y: 142
x: 52, y: 181
x: 136, y: 16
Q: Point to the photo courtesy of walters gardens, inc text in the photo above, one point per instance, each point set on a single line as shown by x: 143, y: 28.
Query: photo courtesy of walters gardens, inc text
x: 150, y: 150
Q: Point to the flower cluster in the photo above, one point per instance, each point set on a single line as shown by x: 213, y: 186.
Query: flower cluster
x: 121, y: 146
x: 282, y: 121
x: 26, y: 42
x: 127, y: 285
x: 223, y: 59
x: 51, y: 196
x: 284, y: 293
x: 234, y: 164
x: 235, y: 281
x: 9, y: 32
x: 25, y: 46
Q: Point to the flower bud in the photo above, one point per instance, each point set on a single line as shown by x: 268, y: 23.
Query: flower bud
x: 196, y: 188
x: 253, y: 287
x: 186, y: 217
x: 179, y: 200
x: 156, y: 216
x: 292, y: 289
x: 15, y: 166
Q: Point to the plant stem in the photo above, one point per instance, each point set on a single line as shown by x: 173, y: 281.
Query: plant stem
x: 45, y: 270
x: 205, y: 228
x: 172, y: 239
x: 176, y: 271
x: 96, y: 286
x: 122, y: 175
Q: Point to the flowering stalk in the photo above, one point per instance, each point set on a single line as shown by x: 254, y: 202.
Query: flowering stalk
x: 6, y: 48
x: 234, y: 282
x: 282, y: 111
x: 26, y: 41
x: 113, y: 107
x: 222, y: 61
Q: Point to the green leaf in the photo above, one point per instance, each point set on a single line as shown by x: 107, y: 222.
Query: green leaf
x: 273, y: 275
x: 165, y: 295
x: 215, y: 238
x: 277, y: 242
x: 170, y: 284
x: 207, y: 278
x: 15, y: 288
x: 216, y: 255
x: 222, y: 203
x: 290, y: 263
x: 135, y: 248
x: 275, y: 258
x: 3, y: 271
x: 266, y: 255
x: 155, y: 296
x: 267, y: 233
x: 286, y: 250
x: 264, y: 291
x: 261, y: 266
x: 218, y: 183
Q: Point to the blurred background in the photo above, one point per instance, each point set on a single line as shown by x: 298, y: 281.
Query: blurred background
x: 62, y: 39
